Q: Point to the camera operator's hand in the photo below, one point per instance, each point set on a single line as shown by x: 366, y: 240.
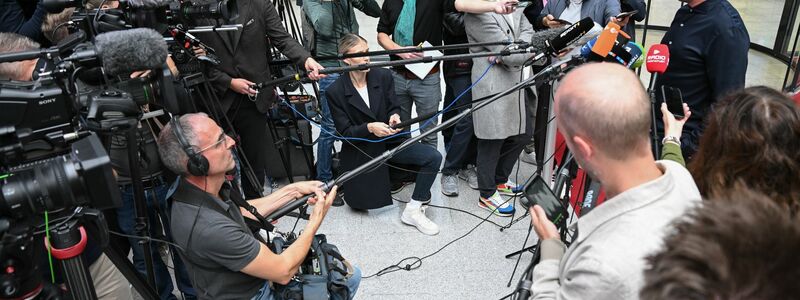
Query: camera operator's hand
x: 410, y: 55
x: 199, y: 51
x: 381, y: 129
x: 672, y: 126
x: 140, y: 74
x: 313, y: 68
x: 308, y: 187
x: 321, y: 209
x: 543, y: 227
x: 394, y: 120
x: 242, y: 86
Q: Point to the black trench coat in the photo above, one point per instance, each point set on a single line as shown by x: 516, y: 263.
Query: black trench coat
x: 351, y: 116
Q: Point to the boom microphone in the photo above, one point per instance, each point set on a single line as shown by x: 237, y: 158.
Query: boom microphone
x: 568, y: 37
x: 120, y: 55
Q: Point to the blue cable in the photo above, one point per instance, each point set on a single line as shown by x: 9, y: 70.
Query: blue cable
x: 401, y: 133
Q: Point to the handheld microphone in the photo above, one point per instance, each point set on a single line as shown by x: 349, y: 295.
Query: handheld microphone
x: 658, y: 59
x: 637, y: 54
x: 539, y: 39
x: 605, y: 43
x: 569, y: 36
x: 119, y: 55
x: 657, y: 63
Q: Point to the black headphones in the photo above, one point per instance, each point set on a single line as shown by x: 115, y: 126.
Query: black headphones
x: 197, y: 164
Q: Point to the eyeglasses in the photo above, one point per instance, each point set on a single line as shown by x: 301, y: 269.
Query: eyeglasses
x: 222, y: 139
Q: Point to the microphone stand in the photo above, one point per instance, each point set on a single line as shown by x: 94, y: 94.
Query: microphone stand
x: 406, y: 50
x: 424, y: 59
x: 419, y: 48
x: 653, y: 132
x: 545, y: 75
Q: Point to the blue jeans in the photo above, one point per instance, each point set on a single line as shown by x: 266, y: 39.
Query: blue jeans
x: 325, y: 140
x: 425, y: 93
x: 157, y: 213
x: 428, y: 159
x: 265, y: 293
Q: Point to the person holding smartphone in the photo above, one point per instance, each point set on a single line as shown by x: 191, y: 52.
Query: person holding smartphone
x: 605, y: 122
x: 557, y: 13
x: 636, y: 10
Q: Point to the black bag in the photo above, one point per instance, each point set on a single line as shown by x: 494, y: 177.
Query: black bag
x: 322, y: 275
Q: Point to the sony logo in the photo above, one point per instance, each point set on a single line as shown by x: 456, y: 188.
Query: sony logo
x: 47, y: 101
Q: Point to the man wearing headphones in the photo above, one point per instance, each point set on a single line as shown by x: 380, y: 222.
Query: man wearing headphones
x: 224, y: 258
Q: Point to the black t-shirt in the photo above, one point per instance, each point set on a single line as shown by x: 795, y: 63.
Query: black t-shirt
x: 427, y: 21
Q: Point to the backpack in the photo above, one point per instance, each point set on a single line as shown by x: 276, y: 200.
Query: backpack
x: 322, y: 275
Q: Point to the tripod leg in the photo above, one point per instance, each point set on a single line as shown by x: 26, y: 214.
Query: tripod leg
x: 141, y: 227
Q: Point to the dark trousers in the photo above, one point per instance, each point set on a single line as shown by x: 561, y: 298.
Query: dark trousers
x: 460, y: 144
x: 251, y: 125
x: 428, y: 159
x: 497, y: 161
x: 454, y: 86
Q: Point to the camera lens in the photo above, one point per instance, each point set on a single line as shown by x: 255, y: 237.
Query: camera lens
x: 46, y: 185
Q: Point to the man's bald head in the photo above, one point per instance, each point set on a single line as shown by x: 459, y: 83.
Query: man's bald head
x: 607, y: 104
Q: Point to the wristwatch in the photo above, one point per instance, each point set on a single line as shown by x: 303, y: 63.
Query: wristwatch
x: 672, y: 139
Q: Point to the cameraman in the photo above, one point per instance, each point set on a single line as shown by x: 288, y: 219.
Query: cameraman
x: 155, y: 196
x: 224, y: 257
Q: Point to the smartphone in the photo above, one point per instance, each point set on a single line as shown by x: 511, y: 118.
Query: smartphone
x: 623, y: 15
x: 538, y: 192
x: 565, y: 22
x: 674, y: 99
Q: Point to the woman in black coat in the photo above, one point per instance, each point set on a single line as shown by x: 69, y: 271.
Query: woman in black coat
x: 363, y: 106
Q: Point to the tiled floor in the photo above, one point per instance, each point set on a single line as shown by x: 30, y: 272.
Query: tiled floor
x: 474, y: 267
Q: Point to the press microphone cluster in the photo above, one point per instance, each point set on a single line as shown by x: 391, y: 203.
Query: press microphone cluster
x: 543, y: 43
x: 613, y: 45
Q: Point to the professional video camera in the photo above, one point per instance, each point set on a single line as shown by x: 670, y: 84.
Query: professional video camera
x: 149, y: 13
x: 50, y: 165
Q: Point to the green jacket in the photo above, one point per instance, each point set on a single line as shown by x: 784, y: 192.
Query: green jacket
x: 326, y: 21
x: 672, y: 152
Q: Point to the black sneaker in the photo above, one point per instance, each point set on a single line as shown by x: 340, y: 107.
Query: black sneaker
x: 339, y: 200
x: 397, y: 187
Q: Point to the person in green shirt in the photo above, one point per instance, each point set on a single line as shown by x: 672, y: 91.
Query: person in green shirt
x: 325, y: 22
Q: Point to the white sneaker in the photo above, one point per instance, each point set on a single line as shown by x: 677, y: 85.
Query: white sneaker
x: 470, y: 175
x: 417, y: 218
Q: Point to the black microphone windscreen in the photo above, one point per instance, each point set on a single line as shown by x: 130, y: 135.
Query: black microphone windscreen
x: 539, y: 39
x: 131, y: 50
x: 570, y: 35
